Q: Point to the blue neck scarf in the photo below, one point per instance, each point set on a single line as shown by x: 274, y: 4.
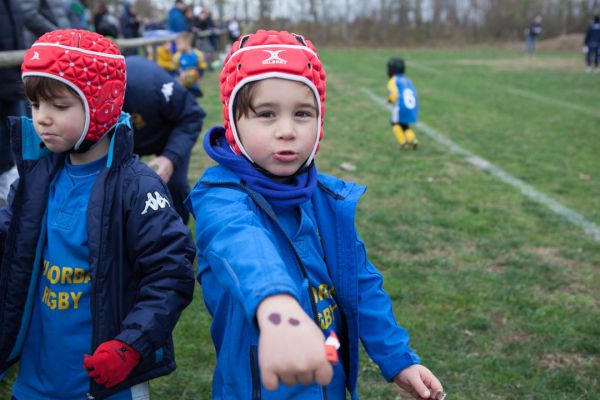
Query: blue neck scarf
x: 280, y: 195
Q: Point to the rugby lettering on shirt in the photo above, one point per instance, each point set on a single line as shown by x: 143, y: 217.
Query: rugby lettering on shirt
x: 324, y: 292
x: 63, y: 300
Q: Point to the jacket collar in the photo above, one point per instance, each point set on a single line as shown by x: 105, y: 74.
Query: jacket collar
x: 27, y: 145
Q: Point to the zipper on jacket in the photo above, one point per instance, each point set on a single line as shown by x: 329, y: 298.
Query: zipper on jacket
x: 256, y: 385
x: 90, y: 396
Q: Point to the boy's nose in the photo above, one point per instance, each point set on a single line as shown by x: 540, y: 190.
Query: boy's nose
x: 285, y: 129
x: 43, y: 117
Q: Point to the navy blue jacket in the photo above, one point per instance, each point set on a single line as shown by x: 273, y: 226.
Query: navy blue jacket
x: 592, y: 36
x: 166, y: 118
x: 140, y: 262
x: 11, y: 38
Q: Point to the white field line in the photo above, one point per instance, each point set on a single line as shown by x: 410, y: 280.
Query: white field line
x: 528, y: 191
x: 559, y: 103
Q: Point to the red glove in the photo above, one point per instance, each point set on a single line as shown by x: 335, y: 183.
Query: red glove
x: 111, y: 363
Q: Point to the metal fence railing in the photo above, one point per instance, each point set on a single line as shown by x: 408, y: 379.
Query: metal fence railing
x: 15, y: 58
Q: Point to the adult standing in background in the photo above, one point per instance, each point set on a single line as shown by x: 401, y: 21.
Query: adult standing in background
x: 177, y: 22
x: 41, y: 16
x: 591, y: 44
x: 130, y: 25
x: 105, y: 23
x: 11, y: 92
x: 77, y: 15
x: 166, y: 123
x: 532, y: 32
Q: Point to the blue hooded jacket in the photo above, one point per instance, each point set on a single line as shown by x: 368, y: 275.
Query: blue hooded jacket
x: 242, y: 259
x: 140, y: 262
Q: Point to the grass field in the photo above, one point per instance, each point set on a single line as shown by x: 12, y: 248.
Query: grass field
x: 500, y: 293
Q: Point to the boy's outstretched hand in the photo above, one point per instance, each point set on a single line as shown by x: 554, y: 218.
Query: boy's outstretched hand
x: 111, y: 363
x: 420, y: 382
x: 291, y: 345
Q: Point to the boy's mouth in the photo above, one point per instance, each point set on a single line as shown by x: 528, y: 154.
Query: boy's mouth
x: 286, y: 156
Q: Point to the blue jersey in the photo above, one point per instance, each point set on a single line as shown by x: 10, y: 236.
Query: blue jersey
x: 403, y: 96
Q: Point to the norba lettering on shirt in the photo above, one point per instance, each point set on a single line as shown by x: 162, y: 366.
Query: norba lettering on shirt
x: 57, y: 275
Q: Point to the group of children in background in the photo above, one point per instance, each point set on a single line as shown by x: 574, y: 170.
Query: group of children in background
x: 184, y: 61
x: 97, y: 266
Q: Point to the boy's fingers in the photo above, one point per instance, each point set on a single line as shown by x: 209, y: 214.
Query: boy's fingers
x: 269, y: 380
x: 288, y: 379
x: 420, y: 387
x: 324, y: 373
x: 306, y: 378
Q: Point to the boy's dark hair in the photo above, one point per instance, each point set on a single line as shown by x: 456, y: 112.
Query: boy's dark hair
x: 41, y: 88
x: 395, y: 66
x: 242, y: 105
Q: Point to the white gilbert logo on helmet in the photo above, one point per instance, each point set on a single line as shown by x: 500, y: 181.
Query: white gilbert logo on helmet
x: 156, y: 202
x: 274, y: 57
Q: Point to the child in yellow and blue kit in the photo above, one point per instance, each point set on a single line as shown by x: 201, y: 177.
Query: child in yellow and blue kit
x: 190, y: 63
x: 279, y: 259
x: 405, y: 105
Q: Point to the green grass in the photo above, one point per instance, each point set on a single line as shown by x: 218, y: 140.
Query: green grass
x: 499, y: 293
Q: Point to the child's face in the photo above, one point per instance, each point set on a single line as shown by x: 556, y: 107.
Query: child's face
x: 59, y: 122
x: 183, y: 44
x: 281, y: 132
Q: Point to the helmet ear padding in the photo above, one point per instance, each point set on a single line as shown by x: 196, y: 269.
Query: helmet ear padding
x: 270, y: 54
x: 92, y: 66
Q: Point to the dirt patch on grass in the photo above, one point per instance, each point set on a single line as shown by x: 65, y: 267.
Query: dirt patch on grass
x: 549, y: 255
x: 516, y: 337
x: 556, y: 361
x: 528, y: 63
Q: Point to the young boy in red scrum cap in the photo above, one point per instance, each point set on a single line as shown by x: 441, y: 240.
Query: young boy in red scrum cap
x: 279, y: 259
x: 96, y: 264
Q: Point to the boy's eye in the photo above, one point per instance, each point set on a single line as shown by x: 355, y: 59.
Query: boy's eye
x: 265, y: 114
x: 34, y: 105
x: 304, y: 114
x: 61, y: 106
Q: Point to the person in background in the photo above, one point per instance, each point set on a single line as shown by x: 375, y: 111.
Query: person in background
x: 405, y: 105
x: 164, y: 58
x: 97, y: 264
x: 105, y: 23
x: 43, y: 16
x: 233, y: 29
x: 279, y: 259
x: 190, y: 63
x: 77, y: 15
x: 130, y: 25
x: 531, y: 34
x: 177, y: 21
x: 167, y: 122
x: 12, y: 101
x: 591, y: 45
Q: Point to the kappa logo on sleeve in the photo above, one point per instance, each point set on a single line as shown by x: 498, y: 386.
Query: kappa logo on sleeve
x: 167, y: 91
x: 155, y: 202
